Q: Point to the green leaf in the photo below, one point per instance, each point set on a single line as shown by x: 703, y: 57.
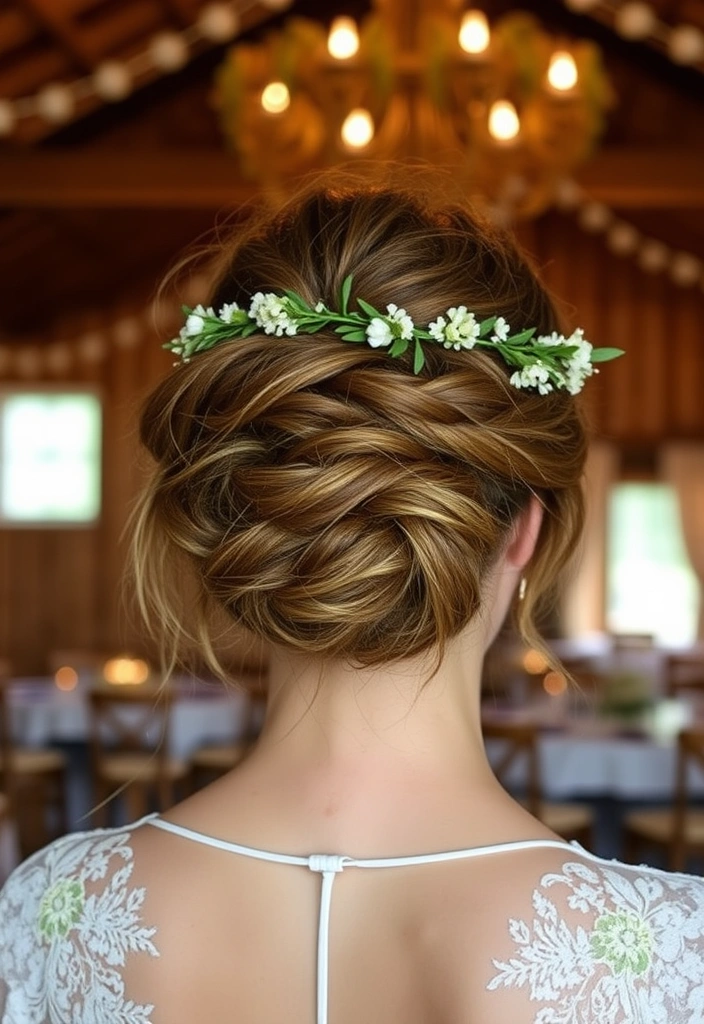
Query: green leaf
x: 486, y: 325
x: 249, y: 329
x: 369, y: 310
x: 418, y: 358
x: 345, y: 294
x: 186, y: 310
x: 399, y: 346
x: 354, y: 336
x: 603, y: 355
x: 518, y: 339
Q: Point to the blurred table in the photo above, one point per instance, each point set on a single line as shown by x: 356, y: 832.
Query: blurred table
x: 41, y: 713
x: 593, y: 756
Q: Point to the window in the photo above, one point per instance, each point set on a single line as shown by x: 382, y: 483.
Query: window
x: 651, y: 587
x: 50, y: 448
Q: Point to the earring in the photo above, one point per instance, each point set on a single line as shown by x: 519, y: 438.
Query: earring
x: 522, y: 588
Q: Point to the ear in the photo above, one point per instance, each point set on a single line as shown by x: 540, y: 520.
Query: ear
x: 524, y: 534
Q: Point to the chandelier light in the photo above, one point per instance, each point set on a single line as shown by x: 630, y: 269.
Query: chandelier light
x: 418, y: 79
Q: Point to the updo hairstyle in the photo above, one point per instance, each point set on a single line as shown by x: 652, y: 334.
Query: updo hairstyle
x: 319, y: 492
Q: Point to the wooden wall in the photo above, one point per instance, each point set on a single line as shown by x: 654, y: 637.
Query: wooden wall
x: 61, y: 588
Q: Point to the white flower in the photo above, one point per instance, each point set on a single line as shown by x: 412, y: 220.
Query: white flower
x: 536, y: 375
x: 400, y: 317
x: 551, y: 339
x: 194, y: 325
x: 379, y: 333
x: 227, y: 311
x: 271, y: 314
x: 436, y: 329
x: 501, y: 329
x: 319, y: 307
x: 461, y: 331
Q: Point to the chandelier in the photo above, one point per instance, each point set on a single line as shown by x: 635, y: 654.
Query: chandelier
x: 508, y: 109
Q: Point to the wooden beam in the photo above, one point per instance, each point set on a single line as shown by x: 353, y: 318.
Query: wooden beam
x: 175, y: 179
x: 45, y: 14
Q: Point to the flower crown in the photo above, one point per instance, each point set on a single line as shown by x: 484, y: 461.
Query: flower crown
x: 545, y: 362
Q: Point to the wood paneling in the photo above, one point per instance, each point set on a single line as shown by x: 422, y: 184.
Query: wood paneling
x: 61, y: 589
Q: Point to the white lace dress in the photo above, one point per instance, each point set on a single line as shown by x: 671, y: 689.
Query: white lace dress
x: 606, y: 943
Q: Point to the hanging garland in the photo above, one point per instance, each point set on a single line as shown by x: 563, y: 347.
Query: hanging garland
x: 114, y: 80
x: 635, y: 20
x: 652, y: 256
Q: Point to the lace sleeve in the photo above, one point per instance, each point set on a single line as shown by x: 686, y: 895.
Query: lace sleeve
x: 608, y: 943
x: 68, y: 921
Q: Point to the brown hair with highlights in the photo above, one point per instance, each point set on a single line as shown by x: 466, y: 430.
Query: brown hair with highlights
x: 319, y: 492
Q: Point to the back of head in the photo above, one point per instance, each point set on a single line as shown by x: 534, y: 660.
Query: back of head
x: 321, y: 493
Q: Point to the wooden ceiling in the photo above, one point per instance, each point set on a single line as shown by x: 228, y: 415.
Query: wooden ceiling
x: 92, y: 213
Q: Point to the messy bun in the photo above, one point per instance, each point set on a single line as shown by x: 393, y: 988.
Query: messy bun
x: 327, y: 498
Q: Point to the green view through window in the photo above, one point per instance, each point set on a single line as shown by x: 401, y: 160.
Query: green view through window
x: 651, y: 587
x: 50, y: 452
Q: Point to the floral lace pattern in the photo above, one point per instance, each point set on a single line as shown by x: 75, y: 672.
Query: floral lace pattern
x: 633, y: 951
x: 64, y: 939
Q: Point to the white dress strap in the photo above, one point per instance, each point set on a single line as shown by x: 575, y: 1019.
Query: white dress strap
x: 330, y: 865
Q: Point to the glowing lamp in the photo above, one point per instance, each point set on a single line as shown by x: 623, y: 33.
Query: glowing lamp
x: 562, y: 72
x: 358, y: 129
x: 275, y: 98
x: 474, y: 32
x: 554, y: 684
x: 66, y: 678
x: 125, y: 671
x: 504, y: 124
x: 534, y: 662
x: 343, y: 40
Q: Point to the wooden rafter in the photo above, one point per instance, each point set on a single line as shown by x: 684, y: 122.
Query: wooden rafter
x: 45, y: 14
x: 97, y: 178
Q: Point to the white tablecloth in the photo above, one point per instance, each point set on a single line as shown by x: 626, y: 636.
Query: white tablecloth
x: 590, y: 758
x: 41, y: 714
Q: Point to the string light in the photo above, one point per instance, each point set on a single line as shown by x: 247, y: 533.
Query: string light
x: 562, y: 73
x: 343, y: 39
x: 357, y: 129
x: 683, y: 44
x: 169, y: 51
x: 474, y: 35
x: 635, y: 20
x: 113, y: 80
x: 218, y: 22
x: 504, y: 124
x: 275, y: 98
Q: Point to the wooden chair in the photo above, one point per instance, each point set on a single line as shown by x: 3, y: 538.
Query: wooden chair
x: 33, y: 783
x: 129, y: 741
x: 677, y: 830
x: 684, y: 673
x: 217, y: 759
x: 571, y: 821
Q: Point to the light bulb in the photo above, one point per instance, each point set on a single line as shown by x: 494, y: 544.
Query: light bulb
x: 357, y: 129
x: 56, y: 102
x: 169, y: 51
x: 562, y: 73
x: 343, y: 40
x: 474, y: 32
x: 112, y: 81
x: 275, y: 98
x: 218, y: 22
x: 504, y: 124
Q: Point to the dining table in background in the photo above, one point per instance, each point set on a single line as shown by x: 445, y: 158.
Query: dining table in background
x: 584, y: 753
x: 203, y: 712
